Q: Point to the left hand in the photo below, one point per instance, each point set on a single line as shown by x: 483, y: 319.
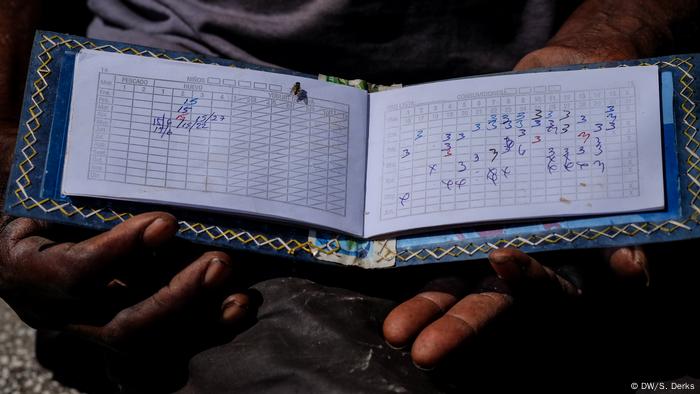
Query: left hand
x: 441, y: 321
x: 438, y: 321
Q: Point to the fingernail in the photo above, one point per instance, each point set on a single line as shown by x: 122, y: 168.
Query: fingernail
x: 157, y: 232
x: 234, y: 308
x: 217, y: 273
x: 510, y: 267
x: 501, y: 258
x: 393, y: 346
x: 641, y: 261
x: 638, y: 257
x: 426, y: 369
x: 237, y: 300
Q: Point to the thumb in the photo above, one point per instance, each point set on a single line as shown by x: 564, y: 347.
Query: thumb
x: 96, y: 254
x: 628, y: 263
x: 524, y: 274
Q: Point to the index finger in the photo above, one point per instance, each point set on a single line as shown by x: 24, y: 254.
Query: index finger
x: 73, y: 262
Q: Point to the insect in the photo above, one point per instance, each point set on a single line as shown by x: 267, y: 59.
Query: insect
x: 296, y: 89
x: 299, y: 93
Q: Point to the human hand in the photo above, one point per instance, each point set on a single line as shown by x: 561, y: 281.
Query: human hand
x: 581, y: 48
x: 442, y: 318
x: 605, y: 30
x: 79, y: 287
x: 555, y: 54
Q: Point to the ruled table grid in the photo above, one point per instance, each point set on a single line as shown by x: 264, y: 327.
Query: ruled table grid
x: 241, y: 138
x: 522, y: 146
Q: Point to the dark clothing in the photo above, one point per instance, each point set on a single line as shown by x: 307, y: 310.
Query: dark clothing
x: 321, y: 332
x: 380, y: 41
x: 309, y: 338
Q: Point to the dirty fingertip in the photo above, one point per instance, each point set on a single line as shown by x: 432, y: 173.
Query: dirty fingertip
x: 234, y: 308
x: 160, y: 230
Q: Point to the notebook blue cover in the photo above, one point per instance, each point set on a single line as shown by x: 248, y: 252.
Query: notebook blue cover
x: 35, y: 179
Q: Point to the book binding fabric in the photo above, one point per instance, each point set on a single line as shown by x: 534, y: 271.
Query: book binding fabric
x: 34, y: 184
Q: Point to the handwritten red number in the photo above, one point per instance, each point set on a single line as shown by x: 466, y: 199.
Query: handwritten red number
x: 585, y: 135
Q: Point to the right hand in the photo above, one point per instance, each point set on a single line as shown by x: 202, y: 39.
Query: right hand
x: 71, y: 286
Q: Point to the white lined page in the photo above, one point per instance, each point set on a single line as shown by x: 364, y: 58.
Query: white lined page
x: 215, y: 137
x: 513, y: 147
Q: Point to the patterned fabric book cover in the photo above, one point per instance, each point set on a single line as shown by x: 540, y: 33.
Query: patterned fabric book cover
x: 35, y: 179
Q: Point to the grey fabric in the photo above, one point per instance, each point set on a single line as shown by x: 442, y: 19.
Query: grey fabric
x: 381, y: 41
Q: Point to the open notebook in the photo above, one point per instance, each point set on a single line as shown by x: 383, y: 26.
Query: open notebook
x: 508, y: 147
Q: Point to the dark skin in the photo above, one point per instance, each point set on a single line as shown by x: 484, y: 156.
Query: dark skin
x: 70, y: 286
x: 67, y: 282
x: 61, y: 285
x: 437, y: 322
